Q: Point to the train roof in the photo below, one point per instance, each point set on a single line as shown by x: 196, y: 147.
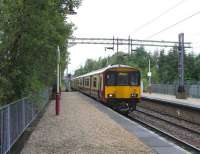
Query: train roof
x: 104, y: 69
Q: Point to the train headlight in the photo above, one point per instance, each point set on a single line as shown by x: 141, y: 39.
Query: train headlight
x: 111, y: 95
x: 134, y: 95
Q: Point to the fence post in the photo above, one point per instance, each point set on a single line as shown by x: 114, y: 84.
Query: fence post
x: 175, y: 89
x: 23, y: 114
x: 7, y: 136
x: 1, y: 133
x: 167, y: 89
x: 198, y: 90
x: 8, y: 122
x: 32, y: 110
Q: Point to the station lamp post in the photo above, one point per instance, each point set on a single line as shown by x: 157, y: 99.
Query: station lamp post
x: 58, y: 94
x: 109, y: 48
x: 70, y: 11
x: 149, y: 76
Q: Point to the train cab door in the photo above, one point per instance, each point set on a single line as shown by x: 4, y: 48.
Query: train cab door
x: 100, y: 87
x: 90, y: 90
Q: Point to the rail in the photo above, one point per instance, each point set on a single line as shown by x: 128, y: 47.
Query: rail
x: 17, y: 116
x: 178, y: 141
x: 176, y: 120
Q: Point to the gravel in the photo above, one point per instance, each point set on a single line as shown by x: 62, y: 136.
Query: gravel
x: 175, y: 120
x: 169, y: 125
x: 81, y: 128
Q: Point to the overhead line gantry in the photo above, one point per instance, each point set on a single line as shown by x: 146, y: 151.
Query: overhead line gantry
x: 121, y: 41
x: 181, y: 46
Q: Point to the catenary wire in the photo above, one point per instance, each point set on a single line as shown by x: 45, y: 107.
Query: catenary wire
x: 173, y: 25
x: 159, y: 16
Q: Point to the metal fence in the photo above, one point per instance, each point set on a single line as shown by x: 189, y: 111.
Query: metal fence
x: 17, y: 116
x: 171, y: 89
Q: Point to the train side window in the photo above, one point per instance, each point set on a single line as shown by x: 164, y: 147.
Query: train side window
x: 86, y: 82
x: 80, y: 82
x: 95, y: 82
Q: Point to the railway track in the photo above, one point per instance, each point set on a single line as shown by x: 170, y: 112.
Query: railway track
x: 182, y: 135
x: 169, y: 119
x: 192, y: 148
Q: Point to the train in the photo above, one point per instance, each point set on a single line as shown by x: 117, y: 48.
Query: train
x: 117, y: 86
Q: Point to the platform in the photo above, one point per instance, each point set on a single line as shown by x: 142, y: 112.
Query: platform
x: 86, y: 126
x: 190, y: 102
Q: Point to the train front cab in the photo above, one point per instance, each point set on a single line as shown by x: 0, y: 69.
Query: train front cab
x: 122, y: 88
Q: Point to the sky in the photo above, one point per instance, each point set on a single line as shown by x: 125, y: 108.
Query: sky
x: 121, y: 18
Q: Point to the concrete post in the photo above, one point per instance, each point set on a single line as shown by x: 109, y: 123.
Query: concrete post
x: 181, y: 94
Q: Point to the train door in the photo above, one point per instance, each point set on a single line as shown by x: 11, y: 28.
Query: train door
x: 90, y: 90
x: 100, y: 86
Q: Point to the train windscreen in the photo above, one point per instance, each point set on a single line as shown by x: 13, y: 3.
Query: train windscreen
x: 122, y: 78
x: 135, y: 78
x: 111, y: 78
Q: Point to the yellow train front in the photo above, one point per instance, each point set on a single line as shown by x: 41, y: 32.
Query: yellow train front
x: 122, y: 88
x: 117, y: 86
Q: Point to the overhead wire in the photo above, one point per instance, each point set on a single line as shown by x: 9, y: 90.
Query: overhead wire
x: 197, y: 44
x: 159, y: 16
x: 173, y: 25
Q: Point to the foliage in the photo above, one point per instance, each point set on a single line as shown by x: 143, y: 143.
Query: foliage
x: 164, y: 65
x: 196, y: 68
x: 168, y: 66
x: 30, y: 32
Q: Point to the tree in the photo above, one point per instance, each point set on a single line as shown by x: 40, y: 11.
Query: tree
x: 30, y: 31
x: 168, y: 66
x: 196, y: 68
x: 190, y: 71
x: 164, y: 64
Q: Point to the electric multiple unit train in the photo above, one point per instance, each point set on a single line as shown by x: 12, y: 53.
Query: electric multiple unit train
x: 117, y: 86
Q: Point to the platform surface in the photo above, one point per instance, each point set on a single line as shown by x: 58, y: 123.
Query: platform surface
x: 192, y: 102
x: 86, y: 126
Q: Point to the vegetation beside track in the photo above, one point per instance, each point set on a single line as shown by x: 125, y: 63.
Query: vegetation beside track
x: 164, y: 64
x: 30, y: 32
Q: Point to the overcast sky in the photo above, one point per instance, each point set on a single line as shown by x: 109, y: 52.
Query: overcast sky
x: 121, y: 18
